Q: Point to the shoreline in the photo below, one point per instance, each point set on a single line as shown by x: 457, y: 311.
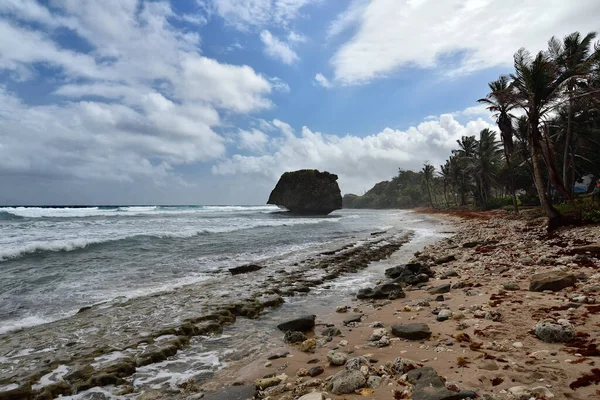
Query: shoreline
x: 486, y: 347
x: 112, y: 358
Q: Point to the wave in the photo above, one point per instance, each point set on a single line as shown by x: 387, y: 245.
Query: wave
x: 82, y: 212
x: 7, y: 216
x: 69, y: 244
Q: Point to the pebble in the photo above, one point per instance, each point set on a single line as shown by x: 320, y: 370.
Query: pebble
x: 268, y: 364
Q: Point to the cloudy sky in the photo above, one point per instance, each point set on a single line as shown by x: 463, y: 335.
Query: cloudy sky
x: 209, y: 101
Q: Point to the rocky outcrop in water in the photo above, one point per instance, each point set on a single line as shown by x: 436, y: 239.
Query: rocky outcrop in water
x: 307, y: 191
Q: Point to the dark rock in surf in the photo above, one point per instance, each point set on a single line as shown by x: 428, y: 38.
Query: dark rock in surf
x: 301, y: 324
x: 307, y: 191
x: 244, y: 269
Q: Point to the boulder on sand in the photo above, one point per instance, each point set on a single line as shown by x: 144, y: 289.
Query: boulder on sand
x: 411, y: 331
x: 304, y: 323
x: 429, y: 385
x: 552, y: 280
x: 307, y: 191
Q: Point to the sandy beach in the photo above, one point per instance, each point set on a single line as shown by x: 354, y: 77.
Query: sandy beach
x: 483, y: 347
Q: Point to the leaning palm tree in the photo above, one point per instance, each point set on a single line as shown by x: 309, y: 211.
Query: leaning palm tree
x: 428, y: 171
x: 535, y: 88
x: 499, y: 102
x: 574, y: 55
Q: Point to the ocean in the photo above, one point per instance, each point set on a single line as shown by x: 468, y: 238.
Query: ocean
x: 141, y: 267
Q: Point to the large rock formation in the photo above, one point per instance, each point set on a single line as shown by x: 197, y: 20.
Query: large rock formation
x: 307, y: 191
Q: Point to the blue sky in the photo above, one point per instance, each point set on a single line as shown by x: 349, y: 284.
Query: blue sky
x: 209, y: 101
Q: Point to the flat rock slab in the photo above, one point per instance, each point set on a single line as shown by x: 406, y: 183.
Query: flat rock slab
x: 590, y: 248
x: 445, y: 288
x: 304, y: 323
x: 444, y: 260
x: 416, y: 331
x: 353, y: 318
x: 245, y: 392
x: 552, y: 280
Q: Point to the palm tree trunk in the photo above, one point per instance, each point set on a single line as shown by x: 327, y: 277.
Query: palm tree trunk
x: 568, y: 141
x: 511, y: 178
x: 429, y: 194
x: 552, y: 213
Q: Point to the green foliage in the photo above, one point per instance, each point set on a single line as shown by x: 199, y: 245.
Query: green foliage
x: 501, y: 202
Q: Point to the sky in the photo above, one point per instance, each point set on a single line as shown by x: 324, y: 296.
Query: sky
x: 210, y: 101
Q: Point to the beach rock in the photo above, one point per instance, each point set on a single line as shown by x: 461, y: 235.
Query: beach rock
x: 244, y: 269
x: 243, y: 392
x: 590, y: 248
x: 307, y: 191
x: 444, y: 260
x: 449, y: 274
x: 403, y: 365
x: 366, y: 293
x: 357, y: 363
x: 411, y: 274
x: 294, y: 337
x: 273, y: 300
x: 331, y: 332
x: 342, y: 309
x: 391, y: 291
x: 444, y: 315
x: 354, y: 318
x: 315, y: 371
x: 267, y: 382
x: 415, y: 331
x: 302, y: 324
x: 309, y: 345
x: 336, y: 358
x: 373, y: 381
x: 467, y: 394
x: 511, y: 286
x: 488, y: 365
x: 554, y: 332
x: 552, y: 280
x: 429, y: 385
x: 445, y: 288
x: 313, y: 396
x: 346, y: 381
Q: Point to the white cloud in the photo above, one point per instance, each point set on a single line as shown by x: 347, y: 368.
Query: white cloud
x: 279, y: 85
x: 160, y: 99
x: 244, y: 14
x: 295, y: 37
x: 253, y: 140
x: 348, y: 18
x: 360, y: 162
x: 482, y: 33
x: 322, y: 81
x: 277, y: 49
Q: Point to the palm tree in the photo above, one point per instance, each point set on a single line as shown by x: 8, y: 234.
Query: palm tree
x: 499, y: 102
x: 446, y: 176
x: 535, y: 88
x: 464, y: 156
x: 486, y: 164
x: 572, y: 55
x: 428, y: 171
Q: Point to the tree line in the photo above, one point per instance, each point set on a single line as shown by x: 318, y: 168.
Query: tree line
x: 548, y: 116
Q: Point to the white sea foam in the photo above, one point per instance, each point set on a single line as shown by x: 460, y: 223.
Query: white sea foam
x: 13, y: 325
x: 74, y: 236
x: 50, y: 378
x: 82, y: 212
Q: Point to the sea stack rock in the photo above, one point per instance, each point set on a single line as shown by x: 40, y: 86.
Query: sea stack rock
x: 307, y: 191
